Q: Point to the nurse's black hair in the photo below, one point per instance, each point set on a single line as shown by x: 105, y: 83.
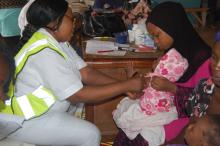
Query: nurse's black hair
x: 39, y: 15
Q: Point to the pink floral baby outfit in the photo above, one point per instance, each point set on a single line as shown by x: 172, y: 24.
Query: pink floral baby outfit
x: 171, y: 66
x: 148, y: 115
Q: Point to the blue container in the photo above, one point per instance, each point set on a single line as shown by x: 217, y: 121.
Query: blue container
x: 121, y: 37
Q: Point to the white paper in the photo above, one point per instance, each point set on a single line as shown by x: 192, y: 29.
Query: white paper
x: 96, y: 47
x: 113, y: 53
x: 122, y: 45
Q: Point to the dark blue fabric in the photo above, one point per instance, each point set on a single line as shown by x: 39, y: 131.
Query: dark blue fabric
x: 99, y: 4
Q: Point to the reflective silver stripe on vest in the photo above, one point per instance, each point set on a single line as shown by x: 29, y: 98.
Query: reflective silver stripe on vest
x: 30, y: 48
x: 8, y: 102
x: 43, y: 94
x: 25, y: 105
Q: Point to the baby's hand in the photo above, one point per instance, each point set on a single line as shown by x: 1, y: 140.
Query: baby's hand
x: 163, y: 84
x: 134, y: 95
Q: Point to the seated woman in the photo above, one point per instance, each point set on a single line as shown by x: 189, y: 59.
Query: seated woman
x: 58, y: 81
x: 170, y: 28
x: 204, y: 99
x: 7, y: 69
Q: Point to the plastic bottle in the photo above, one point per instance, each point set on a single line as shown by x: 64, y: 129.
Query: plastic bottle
x: 138, y: 34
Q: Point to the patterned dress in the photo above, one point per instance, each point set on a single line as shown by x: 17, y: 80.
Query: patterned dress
x: 172, y: 66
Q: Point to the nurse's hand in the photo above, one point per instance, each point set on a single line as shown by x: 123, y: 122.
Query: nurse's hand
x: 134, y: 95
x: 142, y: 82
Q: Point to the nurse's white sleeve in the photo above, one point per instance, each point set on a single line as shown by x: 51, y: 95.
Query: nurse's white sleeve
x: 61, y: 76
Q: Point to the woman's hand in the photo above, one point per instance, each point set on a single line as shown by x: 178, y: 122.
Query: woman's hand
x: 162, y: 84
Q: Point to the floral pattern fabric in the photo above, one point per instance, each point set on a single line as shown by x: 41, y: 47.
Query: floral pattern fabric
x: 171, y: 66
x: 199, y: 100
x: 194, y: 102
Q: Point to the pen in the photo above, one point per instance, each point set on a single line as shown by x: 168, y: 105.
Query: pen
x: 104, y: 37
x: 103, y: 51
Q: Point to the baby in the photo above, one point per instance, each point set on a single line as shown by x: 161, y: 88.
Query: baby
x: 147, y: 115
x: 205, y: 131
x: 171, y: 66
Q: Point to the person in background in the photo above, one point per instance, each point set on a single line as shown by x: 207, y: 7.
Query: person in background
x: 52, y: 81
x: 7, y: 70
x: 170, y: 28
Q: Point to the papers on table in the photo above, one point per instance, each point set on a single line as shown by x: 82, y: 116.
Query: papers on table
x: 122, y: 45
x: 98, y: 47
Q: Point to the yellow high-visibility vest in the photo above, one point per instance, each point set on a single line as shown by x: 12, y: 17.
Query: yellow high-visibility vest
x: 41, y: 99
